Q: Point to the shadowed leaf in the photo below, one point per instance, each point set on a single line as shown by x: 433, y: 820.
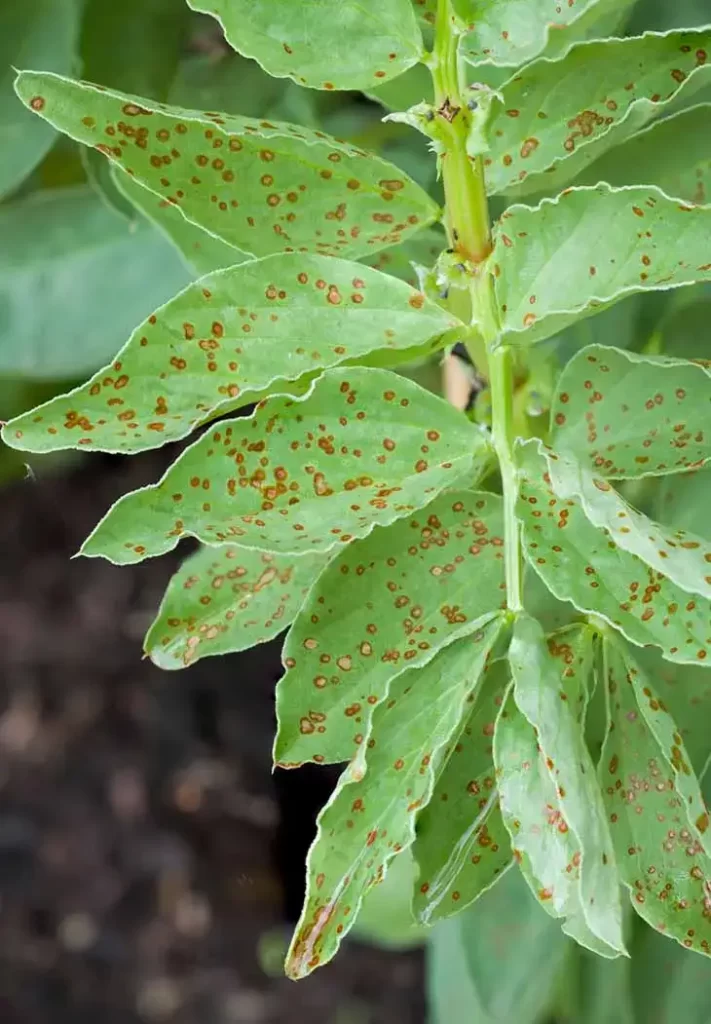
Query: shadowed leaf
x: 226, y: 599
x: 385, y: 604
x: 226, y: 341
x: 371, y: 816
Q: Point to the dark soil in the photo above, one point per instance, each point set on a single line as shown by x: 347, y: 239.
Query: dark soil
x: 149, y: 859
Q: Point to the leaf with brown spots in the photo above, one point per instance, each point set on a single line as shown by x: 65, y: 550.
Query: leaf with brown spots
x: 371, y: 816
x: 259, y: 186
x: 546, y: 849
x: 580, y: 563
x: 385, y: 604
x: 226, y: 599
x: 624, y: 416
x: 305, y: 475
x: 577, y: 254
x: 462, y: 846
x: 552, y: 677
x: 656, y: 812
x: 555, y: 118
x: 355, y: 45
x: 228, y: 340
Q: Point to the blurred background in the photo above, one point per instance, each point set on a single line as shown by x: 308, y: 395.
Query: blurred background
x: 151, y: 863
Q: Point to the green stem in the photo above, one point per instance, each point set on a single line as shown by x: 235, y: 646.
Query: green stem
x: 468, y: 228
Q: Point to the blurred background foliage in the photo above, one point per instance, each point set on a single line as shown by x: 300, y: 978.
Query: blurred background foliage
x: 81, y: 264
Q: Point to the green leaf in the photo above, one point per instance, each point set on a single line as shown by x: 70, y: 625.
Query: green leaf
x: 580, y: 563
x: 357, y: 45
x: 556, y: 117
x: 512, y: 32
x: 421, y: 250
x: 573, y: 255
x: 625, y: 416
x: 301, y: 475
x: 201, y: 252
x: 674, y: 154
x: 227, y: 598
x: 551, y: 680
x: 414, y: 87
x: 385, y: 918
x: 42, y: 32
x: 371, y: 816
x: 226, y: 341
x: 684, y: 501
x: 545, y: 848
x: 462, y: 846
x: 655, y: 808
x: 515, y: 953
x: 275, y: 187
x: 74, y: 279
x: 439, y: 574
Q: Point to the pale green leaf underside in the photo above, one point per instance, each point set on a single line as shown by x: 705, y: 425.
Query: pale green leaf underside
x: 227, y: 598
x: 462, y: 846
x: 371, y: 816
x: 656, y: 831
x: 512, y: 32
x: 260, y: 187
x: 581, y: 564
x: 226, y: 341
x: 551, y: 680
x: 354, y: 45
x: 202, y: 252
x: 74, y: 279
x: 546, y: 849
x: 385, y: 604
x: 674, y: 154
x: 41, y: 32
x: 363, y: 447
x: 624, y: 415
x: 571, y: 256
x: 556, y: 117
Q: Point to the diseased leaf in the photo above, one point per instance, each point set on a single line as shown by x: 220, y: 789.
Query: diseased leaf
x: 385, y: 918
x: 422, y: 250
x: 674, y: 154
x: 227, y: 598
x: 556, y: 117
x: 439, y: 576
x: 42, y: 32
x: 580, y: 563
x: 371, y: 816
x: 657, y: 817
x: 551, y: 681
x: 512, y: 32
x: 547, y: 851
x: 462, y: 846
x: 225, y: 342
x: 276, y: 187
x: 414, y: 87
x: 202, y: 252
x: 74, y: 279
x: 301, y: 475
x: 574, y: 255
x: 624, y: 415
x: 356, y: 45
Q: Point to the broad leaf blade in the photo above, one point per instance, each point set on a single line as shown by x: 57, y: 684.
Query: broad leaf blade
x: 655, y: 808
x: 74, y: 279
x: 624, y: 415
x: 385, y: 604
x: 462, y: 846
x: 301, y: 475
x: 276, y: 187
x: 556, y: 117
x: 371, y: 816
x: 42, y: 32
x: 225, y: 342
x: 571, y: 256
x: 551, y: 681
x: 356, y: 46
x: 226, y: 599
x: 580, y: 564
